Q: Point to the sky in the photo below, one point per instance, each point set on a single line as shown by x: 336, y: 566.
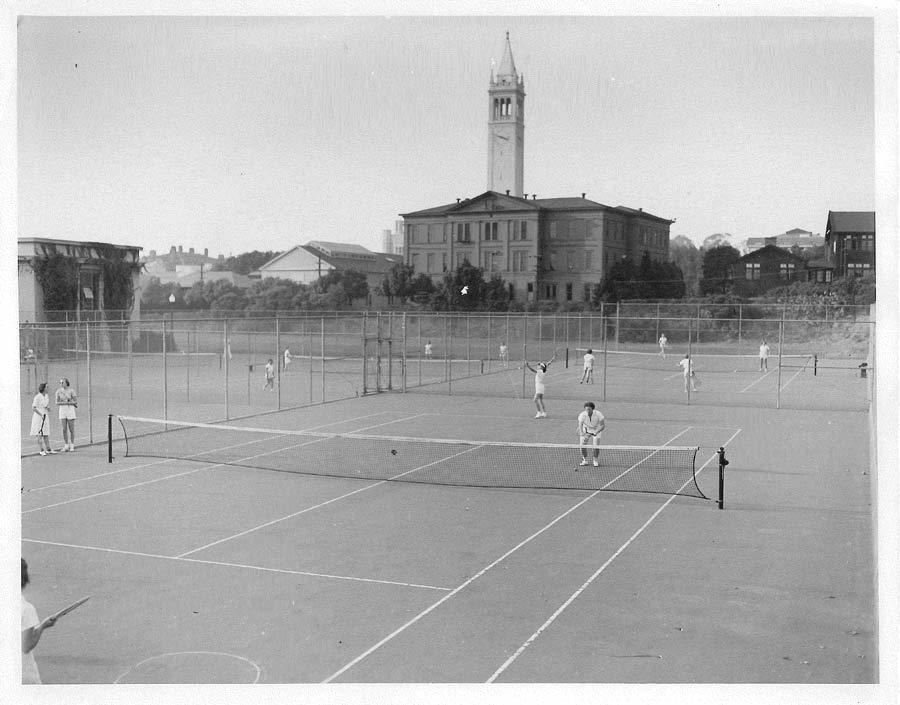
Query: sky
x: 235, y: 134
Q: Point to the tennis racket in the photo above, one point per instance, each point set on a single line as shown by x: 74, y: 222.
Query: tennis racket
x: 73, y: 606
x: 696, y: 379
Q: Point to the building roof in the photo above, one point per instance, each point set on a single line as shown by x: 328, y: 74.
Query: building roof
x: 507, y: 65
x: 80, y: 243
x: 493, y: 201
x: 851, y: 222
x: 343, y: 256
x: 771, y: 249
x: 338, y: 249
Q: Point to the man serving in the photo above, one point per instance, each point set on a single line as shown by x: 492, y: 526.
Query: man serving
x: 590, y: 427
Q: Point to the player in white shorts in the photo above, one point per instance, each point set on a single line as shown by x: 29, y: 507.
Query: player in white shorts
x: 663, y: 344
x: 687, y: 368
x: 539, y: 388
x: 590, y: 426
x: 587, y: 376
x: 504, y: 355
x: 764, y: 357
x: 288, y: 357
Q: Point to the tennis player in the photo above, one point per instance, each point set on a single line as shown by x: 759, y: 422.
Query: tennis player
x: 587, y: 375
x: 687, y: 367
x: 287, y: 358
x: 67, y: 402
x: 40, y: 419
x: 428, y: 350
x: 663, y: 344
x: 270, y: 376
x: 539, y: 388
x: 764, y: 356
x: 590, y: 426
x: 32, y: 629
x: 504, y: 355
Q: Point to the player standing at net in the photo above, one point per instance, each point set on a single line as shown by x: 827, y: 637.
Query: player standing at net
x: 764, y: 356
x: 270, y: 376
x: 539, y: 388
x: 587, y: 375
x: 663, y: 344
x: 590, y: 426
x: 687, y: 367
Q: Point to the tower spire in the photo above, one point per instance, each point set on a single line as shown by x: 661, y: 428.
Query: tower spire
x: 507, y: 64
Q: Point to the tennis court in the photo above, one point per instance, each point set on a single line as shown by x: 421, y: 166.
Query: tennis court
x: 235, y: 567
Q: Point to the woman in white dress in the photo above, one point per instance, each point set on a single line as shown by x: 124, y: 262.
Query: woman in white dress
x: 40, y: 419
x: 32, y: 628
x: 67, y: 402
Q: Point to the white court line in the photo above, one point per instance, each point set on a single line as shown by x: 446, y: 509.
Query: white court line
x: 233, y: 565
x: 481, y: 572
x: 322, y: 504
x: 757, y: 381
x: 783, y: 386
x: 169, y: 460
x: 596, y: 574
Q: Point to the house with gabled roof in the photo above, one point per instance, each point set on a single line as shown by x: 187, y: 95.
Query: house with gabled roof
x: 766, y: 268
x: 850, y: 242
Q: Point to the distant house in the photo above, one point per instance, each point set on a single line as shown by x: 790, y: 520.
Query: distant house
x: 769, y: 267
x: 178, y: 261
x: 850, y: 242
x: 803, y: 239
x: 306, y: 263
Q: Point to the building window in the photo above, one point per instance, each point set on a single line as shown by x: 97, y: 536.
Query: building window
x: 550, y: 291
x: 867, y: 242
x: 588, y: 260
x: 587, y: 293
x: 512, y: 292
x: 524, y: 235
x: 415, y: 263
x: 468, y: 233
x: 858, y: 269
x: 443, y: 261
x: 568, y: 292
x: 786, y: 270
x: 554, y: 261
x: 751, y: 270
x: 429, y: 262
x: 570, y: 261
x: 552, y: 229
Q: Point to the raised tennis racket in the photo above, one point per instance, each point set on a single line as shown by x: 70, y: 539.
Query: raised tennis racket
x: 73, y: 606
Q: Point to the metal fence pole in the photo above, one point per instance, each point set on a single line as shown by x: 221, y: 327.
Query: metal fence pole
x: 226, y: 348
x: 308, y: 337
x: 657, y: 321
x: 740, y: 322
x: 279, y: 360
x: 322, y: 348
x: 618, y: 323
x: 403, y: 356
x: 468, y: 348
x: 165, y: 371
x: 827, y: 331
x: 87, y: 332
x: 489, y: 340
x: 605, y: 347
x: 780, y: 346
x: 690, y: 366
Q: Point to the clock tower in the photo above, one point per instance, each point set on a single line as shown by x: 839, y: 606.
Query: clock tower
x: 506, y: 127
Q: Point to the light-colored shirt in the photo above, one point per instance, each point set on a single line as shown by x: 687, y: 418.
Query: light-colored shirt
x: 539, y: 380
x: 764, y: 350
x: 686, y: 366
x: 287, y: 355
x: 270, y: 370
x: 41, y: 403
x: 588, y: 361
x: 662, y: 341
x: 502, y: 350
x: 428, y: 348
x: 30, y: 673
x: 590, y: 425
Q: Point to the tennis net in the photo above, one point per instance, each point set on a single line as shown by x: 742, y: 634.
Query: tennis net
x: 653, y: 469
x: 703, y: 362
x: 135, y: 358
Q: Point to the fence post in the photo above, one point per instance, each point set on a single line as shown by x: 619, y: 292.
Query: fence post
x: 226, y: 348
x: 740, y: 321
x: 489, y: 340
x: 448, y: 343
x: 279, y: 360
x: 617, y: 324
x: 688, y: 383
x: 403, y: 356
x: 657, y: 322
x: 165, y: 370
x: 780, y: 346
x: 322, y: 349
x: 827, y: 331
x: 468, y: 348
x: 87, y: 336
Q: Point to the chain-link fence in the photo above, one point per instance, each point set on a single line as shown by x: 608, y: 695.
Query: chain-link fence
x: 210, y: 369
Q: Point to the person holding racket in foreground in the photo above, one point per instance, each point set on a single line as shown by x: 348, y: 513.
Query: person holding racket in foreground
x: 32, y: 628
x: 590, y: 426
x: 539, y: 389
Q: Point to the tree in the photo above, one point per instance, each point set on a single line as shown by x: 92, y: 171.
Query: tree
x: 683, y: 253
x: 421, y: 288
x: 397, y: 281
x: 354, y: 283
x: 716, y: 240
x: 244, y: 263
x: 716, y: 264
x: 496, y: 294
x: 155, y: 295
x: 273, y: 294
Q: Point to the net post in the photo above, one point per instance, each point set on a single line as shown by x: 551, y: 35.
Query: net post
x: 815, y: 364
x: 722, y: 463
x: 567, y: 358
x: 109, y: 454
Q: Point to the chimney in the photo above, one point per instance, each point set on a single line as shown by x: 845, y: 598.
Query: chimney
x: 507, y: 192
x: 206, y: 252
x: 583, y: 195
x: 641, y: 210
x: 534, y: 197
x: 457, y: 200
x: 172, y: 250
x: 191, y: 251
x: 180, y: 251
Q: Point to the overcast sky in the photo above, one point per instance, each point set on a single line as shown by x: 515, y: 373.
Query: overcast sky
x: 262, y: 133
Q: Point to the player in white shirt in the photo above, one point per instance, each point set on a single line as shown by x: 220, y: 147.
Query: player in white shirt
x: 663, y: 344
x: 504, y: 355
x: 687, y: 368
x: 588, y: 374
x: 539, y: 388
x: 428, y: 350
x: 764, y: 357
x: 270, y: 376
x: 590, y: 426
x: 287, y: 358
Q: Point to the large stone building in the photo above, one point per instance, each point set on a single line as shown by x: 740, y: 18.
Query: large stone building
x: 547, y: 249
x: 796, y: 237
